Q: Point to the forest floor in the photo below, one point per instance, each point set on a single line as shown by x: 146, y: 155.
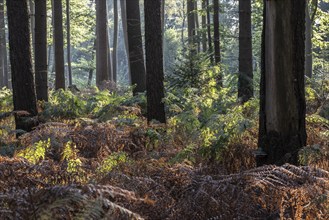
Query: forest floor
x: 86, y: 168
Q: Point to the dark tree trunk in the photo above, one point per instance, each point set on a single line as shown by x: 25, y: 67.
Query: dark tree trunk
x: 68, y: 41
x: 282, y: 111
x: 41, y: 70
x: 2, y: 26
x: 154, y: 61
x: 91, y: 70
x: 21, y: 61
x: 245, y: 84
x: 197, y: 25
x: 101, y: 42
x: 310, y: 15
x: 115, y: 40
x: 204, y: 26
x: 135, y: 45
x: 191, y: 25
x: 210, y: 49
x: 58, y: 44
x: 216, y: 32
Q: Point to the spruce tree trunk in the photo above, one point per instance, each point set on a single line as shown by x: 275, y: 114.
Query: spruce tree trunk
x: 191, y: 25
x: 109, y: 56
x: 41, y: 70
x: 216, y: 32
x: 58, y: 44
x: 154, y: 61
x: 32, y: 26
x: 135, y: 45
x: 101, y: 42
x: 3, y: 45
x: 21, y: 61
x: 2, y: 26
x: 91, y: 70
x: 68, y: 41
x: 245, y: 83
x: 204, y: 26
x: 282, y: 111
x: 115, y: 40
x: 210, y: 48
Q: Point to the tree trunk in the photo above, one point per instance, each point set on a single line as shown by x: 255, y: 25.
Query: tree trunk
x: 216, y: 32
x: 32, y: 25
x: 154, y: 61
x: 2, y: 26
x: 282, y: 111
x: 135, y: 45
x: 58, y: 44
x: 109, y: 57
x: 197, y: 25
x: 309, y: 16
x: 125, y: 33
x: 91, y: 70
x: 245, y: 84
x: 41, y: 70
x: 191, y: 25
x: 101, y: 42
x: 204, y: 26
x: 210, y: 49
x: 68, y: 41
x: 21, y: 61
x: 115, y: 40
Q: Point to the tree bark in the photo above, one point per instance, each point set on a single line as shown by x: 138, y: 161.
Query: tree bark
x: 58, y: 44
x: 282, y: 111
x: 154, y: 61
x: 101, y: 42
x: 21, y: 61
x: 135, y: 45
x: 216, y: 32
x: 125, y: 33
x: 109, y: 57
x: 32, y: 25
x: 91, y: 70
x: 210, y: 48
x: 245, y: 82
x: 310, y: 15
x: 2, y: 26
x: 115, y: 40
x: 41, y: 70
x: 204, y: 26
x: 68, y: 41
x: 191, y: 25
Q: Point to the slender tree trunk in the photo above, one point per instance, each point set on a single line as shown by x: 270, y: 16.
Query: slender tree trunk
x: 154, y: 61
x: 68, y: 41
x: 2, y: 26
x: 109, y: 57
x: 41, y: 70
x: 135, y: 45
x: 245, y: 84
x: 282, y: 111
x: 125, y: 33
x: 183, y: 24
x: 32, y: 26
x: 21, y: 61
x: 91, y: 70
x: 101, y: 42
x: 210, y: 49
x: 204, y: 26
x: 58, y: 44
x: 197, y: 25
x: 216, y: 32
x: 191, y: 25
x: 310, y: 15
x: 115, y: 40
